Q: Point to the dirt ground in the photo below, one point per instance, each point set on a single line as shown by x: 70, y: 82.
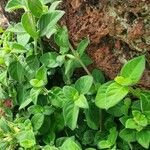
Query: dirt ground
x: 118, y: 31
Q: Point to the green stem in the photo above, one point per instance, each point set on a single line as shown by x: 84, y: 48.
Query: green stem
x: 79, y: 60
x: 35, y: 46
x: 41, y: 46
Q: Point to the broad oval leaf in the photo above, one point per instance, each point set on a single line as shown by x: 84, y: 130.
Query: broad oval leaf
x: 35, y: 7
x: 29, y: 25
x: 109, y: 95
x: 134, y: 69
x: 84, y: 84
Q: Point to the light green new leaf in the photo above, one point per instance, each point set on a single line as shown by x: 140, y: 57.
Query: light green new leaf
x: 41, y: 74
x: 109, y: 95
x: 35, y: 7
x: 29, y: 25
x: 82, y: 102
x: 143, y: 138
x: 134, y: 69
x: 48, y: 21
x: 84, y: 84
x: 70, y: 113
x: 37, y: 83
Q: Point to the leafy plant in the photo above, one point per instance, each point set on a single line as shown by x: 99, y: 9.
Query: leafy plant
x: 45, y: 104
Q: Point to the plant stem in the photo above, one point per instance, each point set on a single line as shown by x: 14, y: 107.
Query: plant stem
x: 35, y: 46
x: 79, y: 60
x: 41, y: 46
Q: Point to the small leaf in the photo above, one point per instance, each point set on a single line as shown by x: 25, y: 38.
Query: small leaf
x: 84, y: 84
x: 82, y: 102
x: 49, y: 60
x: 37, y: 83
x: 29, y: 25
x: 70, y: 93
x: 54, y: 5
x: 109, y: 95
x: 16, y: 71
x: 35, y: 7
x: 133, y: 69
x: 41, y: 74
x: 98, y: 76
x: 61, y: 37
x: 70, y: 113
x: 82, y: 46
x: 34, y: 93
x: 34, y: 109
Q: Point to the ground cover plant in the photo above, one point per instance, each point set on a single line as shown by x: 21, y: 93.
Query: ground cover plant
x: 45, y: 105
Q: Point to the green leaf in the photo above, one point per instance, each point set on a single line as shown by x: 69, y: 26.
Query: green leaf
x: 92, y: 116
x: 145, y: 100
x: 82, y: 46
x: 23, y: 38
x: 61, y: 37
x: 98, y: 76
x: 29, y: 25
x: 34, y: 109
x: 82, y: 102
x: 110, y: 140
x: 16, y: 71
x: 25, y: 103
x: 128, y: 135
x: 109, y: 95
x: 84, y: 84
x: 69, y: 144
x: 41, y: 74
x: 143, y: 138
x: 14, y: 4
x: 70, y: 113
x: 17, y: 48
x: 35, y: 7
x: 123, y: 81
x: 56, y: 97
x: 70, y: 93
x: 26, y: 139
x: 131, y: 124
x: 49, y: 60
x: 48, y: 21
x: 134, y: 69
x: 140, y: 118
x: 54, y: 5
x: 37, y: 121
x: 34, y: 93
x: 37, y: 83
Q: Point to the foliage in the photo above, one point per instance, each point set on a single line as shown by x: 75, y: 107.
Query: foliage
x: 45, y: 105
